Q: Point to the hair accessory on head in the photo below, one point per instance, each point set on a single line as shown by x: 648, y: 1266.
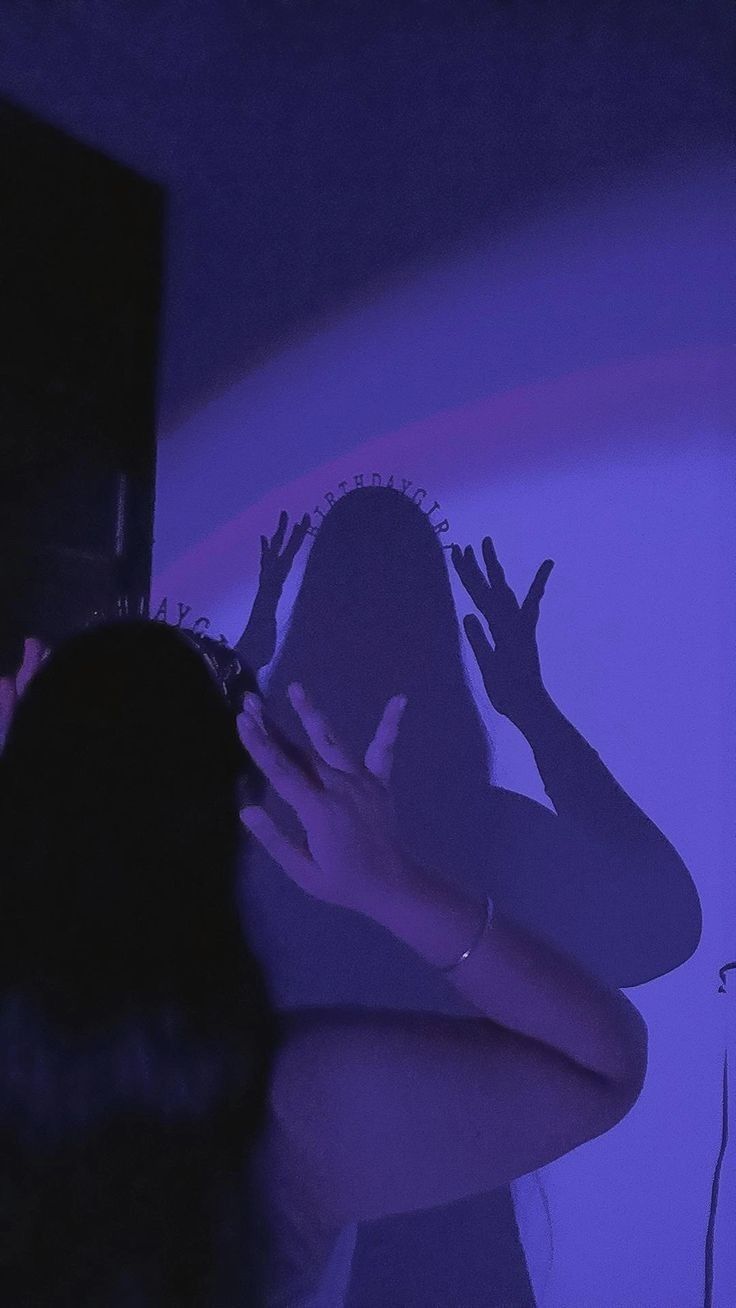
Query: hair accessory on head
x: 232, y: 676
x: 389, y: 483
x: 230, y: 673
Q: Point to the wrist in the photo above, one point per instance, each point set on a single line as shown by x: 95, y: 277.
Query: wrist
x: 436, y: 919
x: 538, y: 712
x: 269, y: 590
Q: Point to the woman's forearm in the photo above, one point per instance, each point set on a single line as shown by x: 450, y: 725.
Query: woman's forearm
x: 578, y: 782
x: 516, y: 979
x: 257, y: 644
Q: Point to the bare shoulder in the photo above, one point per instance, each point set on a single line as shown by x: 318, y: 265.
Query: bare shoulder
x: 385, y: 1112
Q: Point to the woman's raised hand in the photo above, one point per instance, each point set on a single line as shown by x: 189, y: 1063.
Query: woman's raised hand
x: 276, y: 561
x: 257, y: 644
x: 349, y: 854
x: 510, y: 667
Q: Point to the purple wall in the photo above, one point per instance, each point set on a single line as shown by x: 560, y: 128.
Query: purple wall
x: 481, y: 246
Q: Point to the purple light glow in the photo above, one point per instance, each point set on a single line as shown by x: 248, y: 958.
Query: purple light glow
x: 575, y: 406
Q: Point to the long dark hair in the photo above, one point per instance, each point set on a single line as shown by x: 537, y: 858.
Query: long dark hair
x: 136, y: 1031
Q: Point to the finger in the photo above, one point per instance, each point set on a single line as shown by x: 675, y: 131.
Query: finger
x: 321, y: 737
x: 293, y: 857
x: 295, y: 540
x: 496, y: 574
x: 277, y: 539
x: 264, y: 547
x: 458, y: 562
x: 530, y: 607
x: 466, y: 566
x: 287, y: 773
x: 379, y: 755
x: 34, y: 652
x: 505, y: 606
x: 489, y: 601
x: 479, y: 643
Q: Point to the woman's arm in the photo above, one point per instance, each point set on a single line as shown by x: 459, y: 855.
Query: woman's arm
x: 257, y: 644
x: 351, y: 857
x: 395, y: 1112
x: 637, y: 884
x: 581, y: 787
x: 392, y: 1112
x: 518, y: 980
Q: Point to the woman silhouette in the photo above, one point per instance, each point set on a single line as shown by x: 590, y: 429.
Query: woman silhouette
x: 374, y: 617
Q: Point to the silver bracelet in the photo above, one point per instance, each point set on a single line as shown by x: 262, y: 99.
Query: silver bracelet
x: 468, y: 952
